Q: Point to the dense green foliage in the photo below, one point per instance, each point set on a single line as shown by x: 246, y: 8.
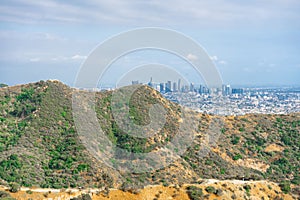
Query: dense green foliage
x: 39, y: 119
x: 195, y: 193
x: 139, y: 106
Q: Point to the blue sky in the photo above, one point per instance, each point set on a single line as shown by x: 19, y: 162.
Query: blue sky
x: 255, y: 42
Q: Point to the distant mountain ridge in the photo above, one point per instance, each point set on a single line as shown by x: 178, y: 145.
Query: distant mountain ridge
x: 39, y: 144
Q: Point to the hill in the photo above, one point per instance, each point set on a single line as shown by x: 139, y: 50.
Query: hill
x: 41, y: 146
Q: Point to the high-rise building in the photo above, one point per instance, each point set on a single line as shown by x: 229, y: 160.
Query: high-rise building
x: 168, y: 87
x: 161, y: 87
x: 150, y: 82
x: 226, y: 89
x: 174, y: 87
x: 192, y: 87
x: 203, y: 90
x: 179, y: 85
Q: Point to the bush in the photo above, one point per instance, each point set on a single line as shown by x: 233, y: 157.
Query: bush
x: 285, y: 187
x: 4, y: 194
x: 241, y: 129
x: 210, y: 189
x: 247, y: 188
x: 235, y: 139
x: 237, y: 156
x: 82, y: 197
x: 14, y: 187
x: 194, y: 192
x: 29, y: 192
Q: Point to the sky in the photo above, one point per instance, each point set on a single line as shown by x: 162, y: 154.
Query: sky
x: 252, y: 43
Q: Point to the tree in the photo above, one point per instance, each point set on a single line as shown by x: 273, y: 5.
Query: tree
x: 3, y: 85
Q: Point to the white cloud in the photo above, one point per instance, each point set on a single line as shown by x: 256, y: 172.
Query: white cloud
x: 192, y: 57
x: 155, y: 12
x: 214, y: 58
x: 217, y: 60
x: 78, y: 57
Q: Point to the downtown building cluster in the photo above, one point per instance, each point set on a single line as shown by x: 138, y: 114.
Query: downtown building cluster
x: 231, y: 101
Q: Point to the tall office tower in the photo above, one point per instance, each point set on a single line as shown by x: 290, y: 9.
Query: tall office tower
x: 223, y: 89
x: 200, y: 91
x: 203, y: 90
x: 174, y: 87
x: 161, y: 87
x: 192, y: 87
x: 168, y: 86
x: 226, y: 89
x: 150, y: 82
x: 135, y: 82
x: 179, y: 85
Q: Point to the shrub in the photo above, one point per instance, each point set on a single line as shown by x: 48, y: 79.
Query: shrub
x: 237, y: 156
x: 247, y: 189
x: 235, y: 139
x: 14, y: 187
x: 26, y: 94
x: 285, y: 187
x: 82, y: 197
x: 210, y: 189
x: 28, y: 191
x: 4, y: 194
x: 194, y: 193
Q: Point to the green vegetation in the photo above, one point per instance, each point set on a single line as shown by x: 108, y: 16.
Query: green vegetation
x: 14, y: 187
x: 194, y: 192
x: 9, y: 168
x: 247, y: 189
x: 40, y: 114
x: 237, y: 157
x: 235, y: 139
x: 285, y: 187
x: 3, y: 85
x: 39, y: 144
x: 210, y: 189
x: 5, y: 196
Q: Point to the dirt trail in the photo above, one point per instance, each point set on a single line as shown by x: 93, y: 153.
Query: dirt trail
x: 229, y: 188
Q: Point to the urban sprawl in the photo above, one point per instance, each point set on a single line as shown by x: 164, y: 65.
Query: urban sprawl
x: 230, y: 101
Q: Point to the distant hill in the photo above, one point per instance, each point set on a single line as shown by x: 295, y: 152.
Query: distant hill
x: 40, y: 145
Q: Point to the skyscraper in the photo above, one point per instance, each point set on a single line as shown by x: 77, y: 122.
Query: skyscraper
x: 150, y: 82
x: 161, y: 87
x: 226, y: 89
x: 174, y: 87
x: 192, y: 87
x: 168, y: 86
x: 179, y: 85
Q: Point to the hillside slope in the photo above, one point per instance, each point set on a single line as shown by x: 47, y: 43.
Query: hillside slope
x: 40, y: 145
